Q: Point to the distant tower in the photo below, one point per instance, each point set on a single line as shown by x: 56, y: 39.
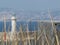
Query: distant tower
x: 13, y: 30
x: 13, y: 23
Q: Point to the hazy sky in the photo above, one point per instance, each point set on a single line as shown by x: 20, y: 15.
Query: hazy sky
x: 34, y: 5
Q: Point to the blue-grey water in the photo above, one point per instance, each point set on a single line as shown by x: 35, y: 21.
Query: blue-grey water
x: 31, y: 26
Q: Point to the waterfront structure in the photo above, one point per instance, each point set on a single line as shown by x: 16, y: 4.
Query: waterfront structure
x: 13, y: 30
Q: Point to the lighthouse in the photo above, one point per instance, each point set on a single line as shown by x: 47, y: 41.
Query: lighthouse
x: 13, y: 27
x: 13, y: 23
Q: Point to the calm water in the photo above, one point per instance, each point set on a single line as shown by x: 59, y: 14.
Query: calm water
x: 31, y: 26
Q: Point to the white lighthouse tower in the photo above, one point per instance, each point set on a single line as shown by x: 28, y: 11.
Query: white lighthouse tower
x: 13, y: 30
x: 13, y: 23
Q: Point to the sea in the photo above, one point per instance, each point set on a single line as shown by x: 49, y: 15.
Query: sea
x: 31, y: 26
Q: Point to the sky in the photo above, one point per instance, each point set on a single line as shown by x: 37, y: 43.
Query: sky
x: 30, y: 5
